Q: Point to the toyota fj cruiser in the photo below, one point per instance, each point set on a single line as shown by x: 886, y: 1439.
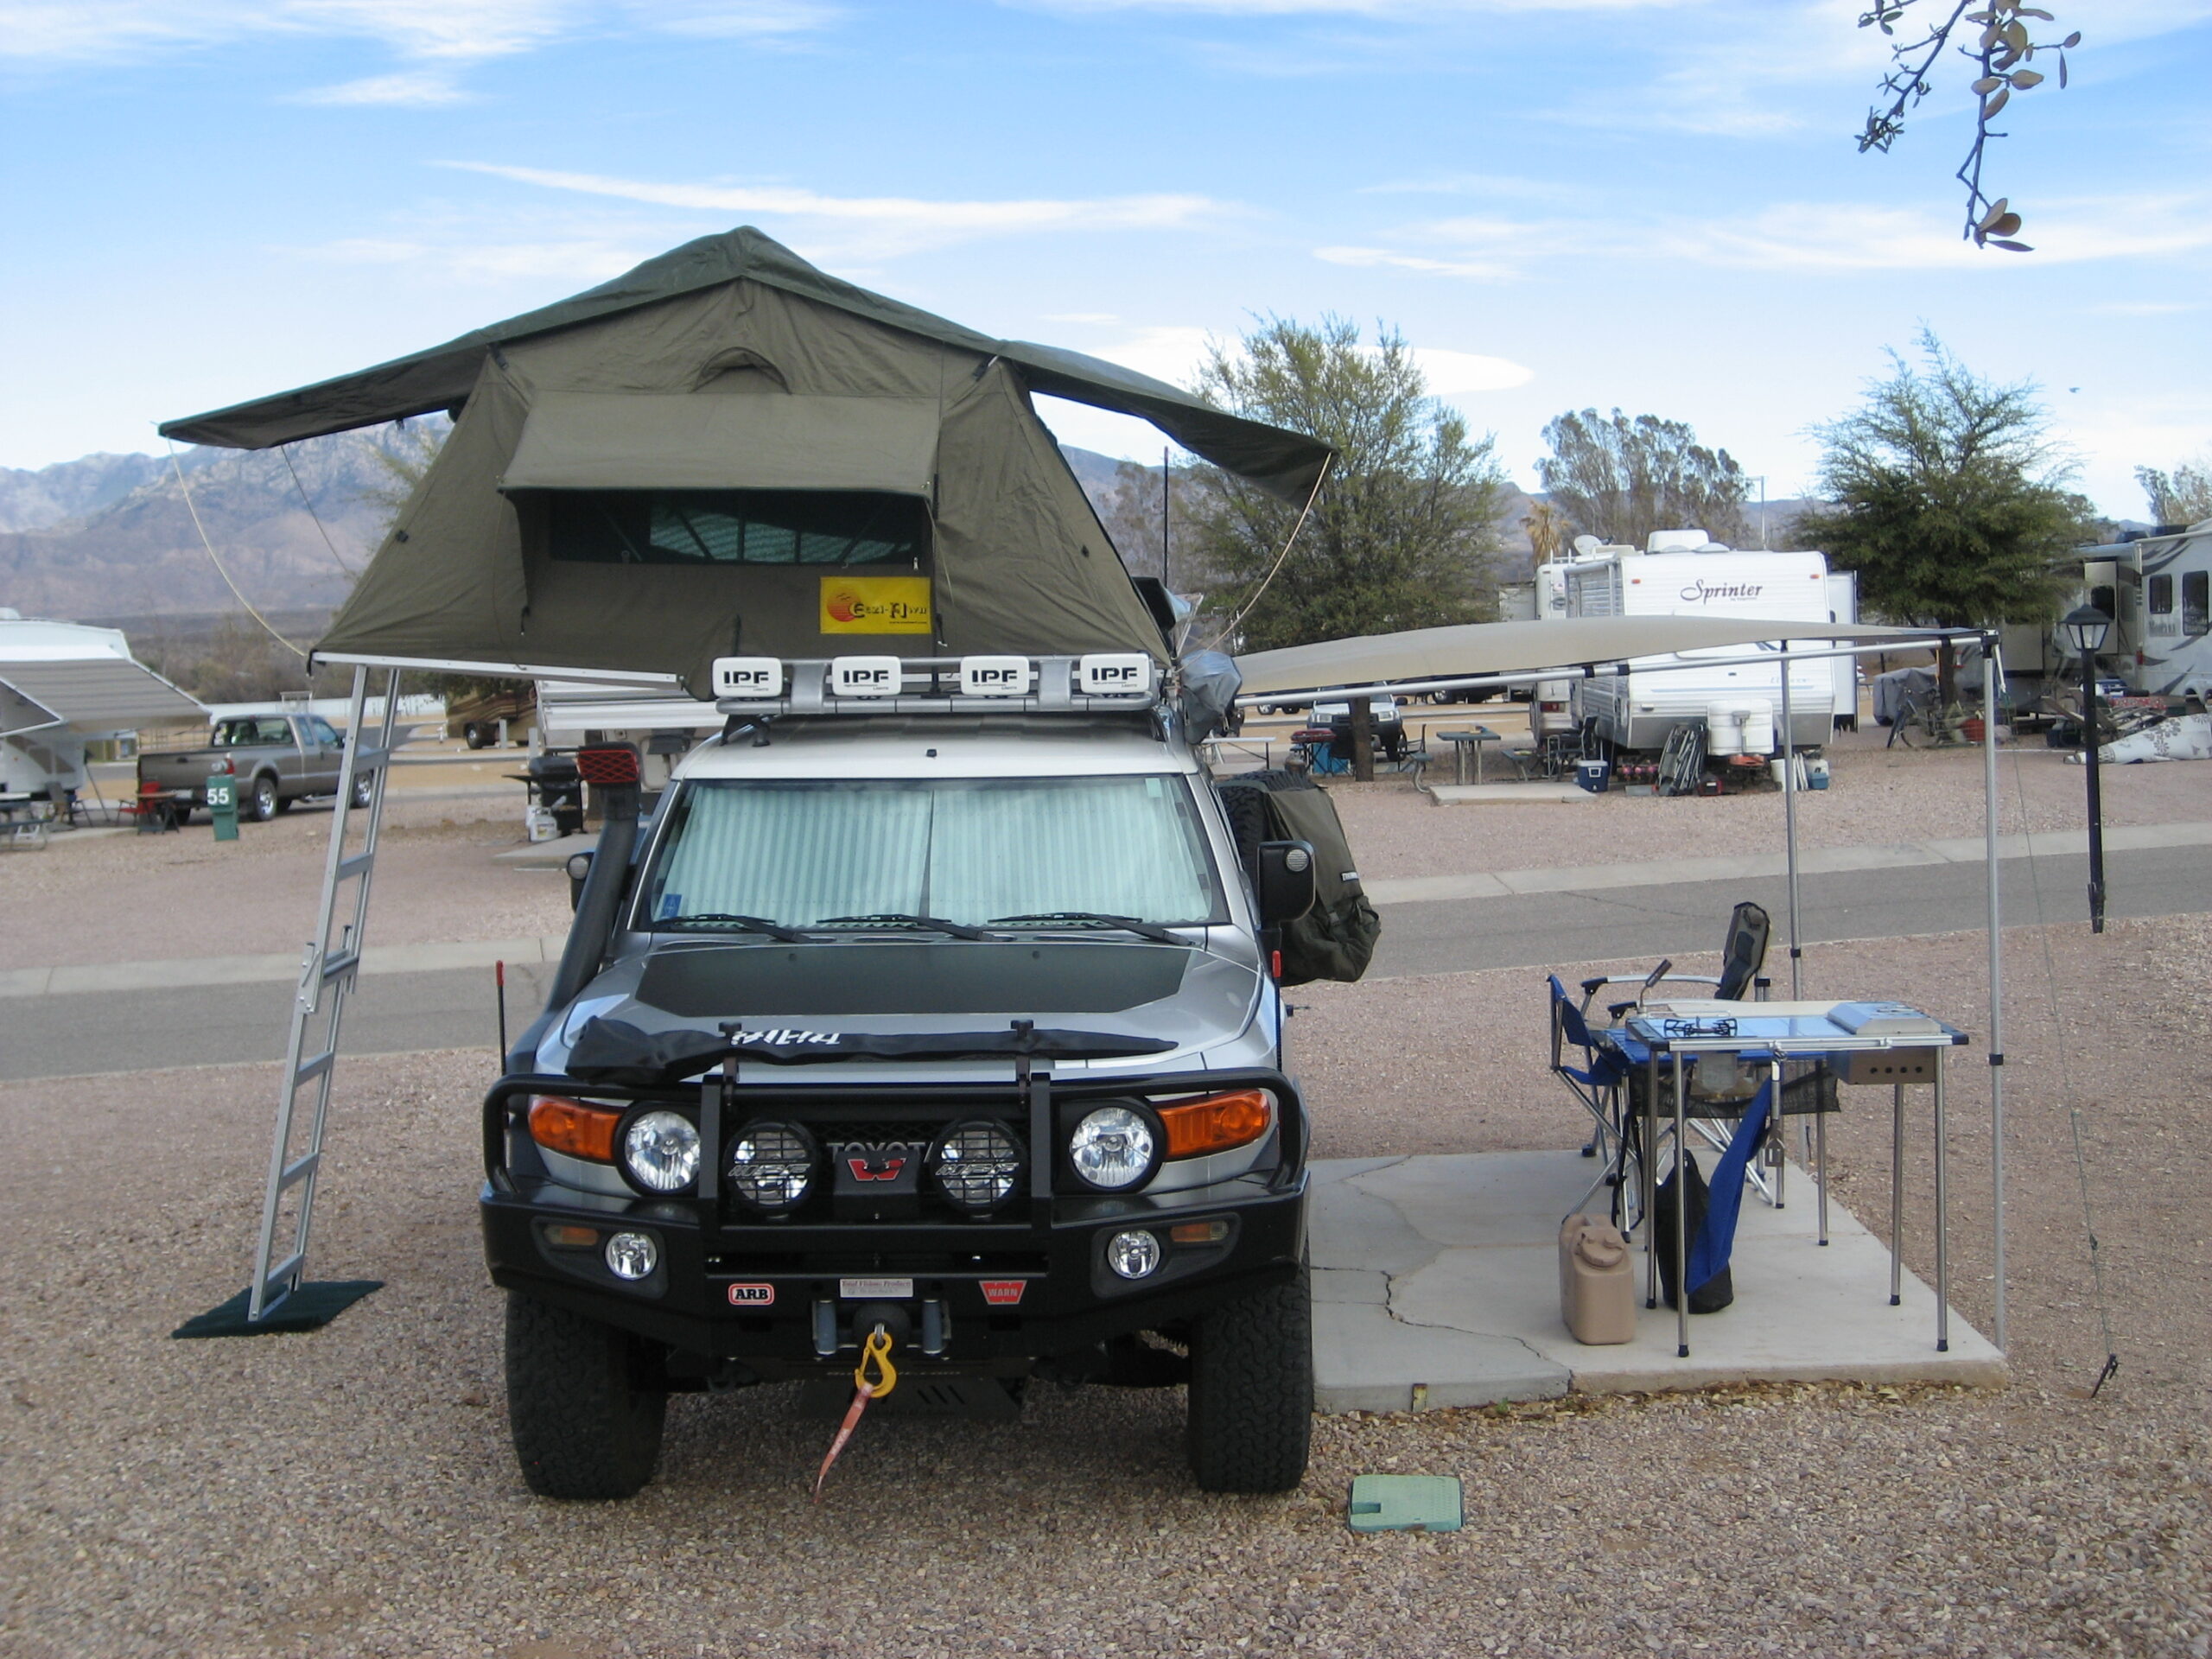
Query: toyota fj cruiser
x: 938, y: 999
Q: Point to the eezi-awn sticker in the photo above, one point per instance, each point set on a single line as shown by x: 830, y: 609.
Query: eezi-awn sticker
x: 876, y: 605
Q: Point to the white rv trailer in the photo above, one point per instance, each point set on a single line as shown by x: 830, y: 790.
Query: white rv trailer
x: 1843, y: 606
x: 1551, y: 711
x: 1637, y: 710
x: 2160, y: 600
x: 62, y: 685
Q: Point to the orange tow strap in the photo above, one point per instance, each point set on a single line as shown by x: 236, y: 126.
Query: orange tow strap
x: 877, y: 1353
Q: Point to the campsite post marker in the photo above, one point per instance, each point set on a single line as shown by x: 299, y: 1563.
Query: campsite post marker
x: 2085, y: 629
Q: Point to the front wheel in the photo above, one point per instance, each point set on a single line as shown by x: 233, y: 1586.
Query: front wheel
x: 585, y: 1411
x: 1251, y: 1394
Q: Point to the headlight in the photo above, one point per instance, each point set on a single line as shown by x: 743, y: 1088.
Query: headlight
x: 660, y: 1151
x: 771, y: 1166
x: 1112, y: 1148
x: 976, y: 1166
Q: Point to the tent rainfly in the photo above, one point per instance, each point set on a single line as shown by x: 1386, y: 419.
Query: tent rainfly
x: 727, y: 451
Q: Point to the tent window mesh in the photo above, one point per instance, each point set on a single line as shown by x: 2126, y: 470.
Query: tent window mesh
x: 822, y: 527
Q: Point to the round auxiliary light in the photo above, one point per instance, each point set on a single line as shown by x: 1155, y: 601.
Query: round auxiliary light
x: 1132, y: 1255
x: 660, y: 1151
x: 1113, y: 1148
x: 633, y: 1256
x: 976, y: 1166
x: 771, y: 1166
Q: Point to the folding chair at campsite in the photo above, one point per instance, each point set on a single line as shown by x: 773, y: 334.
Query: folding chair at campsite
x: 1598, y: 1084
x: 1742, y: 957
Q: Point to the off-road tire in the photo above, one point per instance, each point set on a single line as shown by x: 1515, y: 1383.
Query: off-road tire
x: 582, y: 1403
x: 262, y: 801
x: 1250, y: 1419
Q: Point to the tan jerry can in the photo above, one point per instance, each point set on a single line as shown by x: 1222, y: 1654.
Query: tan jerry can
x: 1597, y: 1282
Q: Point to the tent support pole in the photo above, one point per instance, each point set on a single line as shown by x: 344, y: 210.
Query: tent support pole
x: 1790, y: 831
x: 1996, y: 984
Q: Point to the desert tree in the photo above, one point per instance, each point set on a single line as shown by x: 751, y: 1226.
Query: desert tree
x: 1946, y: 496
x: 1404, y: 531
x: 1620, y: 479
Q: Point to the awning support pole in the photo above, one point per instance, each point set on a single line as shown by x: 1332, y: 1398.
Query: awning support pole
x: 1996, y: 981
x: 1790, y: 831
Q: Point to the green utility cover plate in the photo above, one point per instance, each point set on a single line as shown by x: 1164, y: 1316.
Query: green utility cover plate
x: 1405, y: 1503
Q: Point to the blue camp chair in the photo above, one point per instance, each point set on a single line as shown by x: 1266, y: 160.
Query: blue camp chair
x: 1596, y: 1082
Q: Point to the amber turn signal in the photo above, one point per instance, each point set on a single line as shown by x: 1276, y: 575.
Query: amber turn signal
x: 572, y: 1127
x: 1216, y: 1123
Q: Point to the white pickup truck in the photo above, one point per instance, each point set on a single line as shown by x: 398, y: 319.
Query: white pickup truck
x: 277, y: 758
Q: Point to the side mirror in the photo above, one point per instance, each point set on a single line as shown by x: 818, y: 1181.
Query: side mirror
x: 578, y: 866
x: 1286, y: 882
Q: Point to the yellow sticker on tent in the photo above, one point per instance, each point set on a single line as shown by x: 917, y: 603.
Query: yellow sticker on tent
x: 875, y: 605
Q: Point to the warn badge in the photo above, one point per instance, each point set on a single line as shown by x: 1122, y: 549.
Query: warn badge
x: 877, y: 1165
x: 1003, y: 1292
x: 751, y: 1295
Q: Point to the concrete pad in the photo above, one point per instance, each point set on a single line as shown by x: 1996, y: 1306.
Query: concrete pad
x: 1364, y: 1359
x: 1507, y: 794
x: 1467, y: 1246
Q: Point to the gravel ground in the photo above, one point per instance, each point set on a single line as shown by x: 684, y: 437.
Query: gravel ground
x: 351, y: 1492
x: 131, y: 897
x: 1878, y: 796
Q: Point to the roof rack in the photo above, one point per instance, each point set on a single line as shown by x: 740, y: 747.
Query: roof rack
x: 1101, y: 683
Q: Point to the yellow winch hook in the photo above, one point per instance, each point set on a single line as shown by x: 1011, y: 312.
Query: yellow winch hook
x: 876, y: 1353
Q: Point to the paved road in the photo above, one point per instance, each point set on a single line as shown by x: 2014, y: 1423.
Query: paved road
x: 132, y: 1031
x: 1644, y: 923
x: 58, y: 1035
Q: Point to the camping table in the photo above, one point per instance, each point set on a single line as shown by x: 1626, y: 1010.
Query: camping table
x: 1768, y: 1034
x: 24, y: 819
x: 1461, y: 741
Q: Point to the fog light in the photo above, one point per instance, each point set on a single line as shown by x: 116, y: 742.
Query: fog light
x: 632, y: 1256
x: 1134, y: 1256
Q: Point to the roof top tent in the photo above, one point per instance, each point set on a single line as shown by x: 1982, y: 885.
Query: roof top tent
x: 62, y: 685
x: 1682, y: 573
x: 724, y: 452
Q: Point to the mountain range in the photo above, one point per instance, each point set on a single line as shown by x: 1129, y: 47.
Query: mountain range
x: 118, y: 537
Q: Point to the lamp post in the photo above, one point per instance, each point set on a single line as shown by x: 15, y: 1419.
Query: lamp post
x: 2085, y: 629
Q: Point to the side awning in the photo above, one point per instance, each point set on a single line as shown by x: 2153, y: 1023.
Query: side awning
x: 613, y: 441
x: 101, y: 694
x: 21, y: 714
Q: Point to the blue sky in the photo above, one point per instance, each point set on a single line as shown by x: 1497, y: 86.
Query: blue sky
x: 1655, y: 204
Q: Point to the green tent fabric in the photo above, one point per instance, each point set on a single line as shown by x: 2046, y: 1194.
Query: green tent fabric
x: 732, y: 366
x: 442, y: 377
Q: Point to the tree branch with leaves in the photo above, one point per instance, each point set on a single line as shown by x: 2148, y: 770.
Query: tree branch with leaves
x: 2003, y: 51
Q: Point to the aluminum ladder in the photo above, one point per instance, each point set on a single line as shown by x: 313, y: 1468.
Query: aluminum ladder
x: 332, y: 958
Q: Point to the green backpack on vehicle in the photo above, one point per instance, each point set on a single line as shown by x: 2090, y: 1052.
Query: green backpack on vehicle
x: 1335, y: 938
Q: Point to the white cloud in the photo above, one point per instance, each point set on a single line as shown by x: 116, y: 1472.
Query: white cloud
x: 489, y: 260
x: 1455, y: 374
x: 1405, y: 9
x: 1094, y: 318
x: 884, y: 223
x: 2146, y: 308
x: 1805, y: 237
x: 1484, y: 270
x: 417, y: 89
x: 448, y: 31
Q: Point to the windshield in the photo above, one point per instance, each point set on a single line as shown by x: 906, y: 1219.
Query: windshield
x: 967, y: 850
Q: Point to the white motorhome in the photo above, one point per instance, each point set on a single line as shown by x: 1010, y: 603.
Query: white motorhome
x: 1551, y: 711
x: 1843, y: 606
x: 1682, y: 573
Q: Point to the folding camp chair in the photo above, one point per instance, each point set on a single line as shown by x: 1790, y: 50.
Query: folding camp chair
x: 1742, y: 957
x: 1598, y: 1084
